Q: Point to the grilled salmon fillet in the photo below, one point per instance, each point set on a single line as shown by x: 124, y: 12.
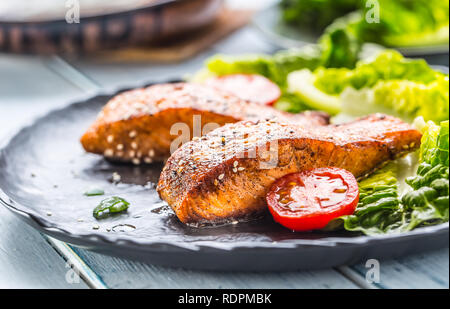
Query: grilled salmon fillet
x: 227, y: 173
x: 137, y: 126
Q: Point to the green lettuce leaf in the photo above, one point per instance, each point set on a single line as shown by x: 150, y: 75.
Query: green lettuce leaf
x: 278, y: 67
x: 407, y: 23
x: 434, y: 148
x: 397, y: 23
x: 301, y: 83
x: 250, y: 64
x: 340, y: 46
x: 386, y: 66
x: 387, y: 83
x: 275, y: 68
x: 381, y: 210
x: 428, y: 203
x: 316, y: 14
x: 401, y: 98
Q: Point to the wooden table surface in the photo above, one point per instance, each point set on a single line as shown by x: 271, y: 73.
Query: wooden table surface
x: 30, y: 86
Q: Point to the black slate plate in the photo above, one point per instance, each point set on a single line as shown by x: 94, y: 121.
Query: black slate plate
x: 43, y: 171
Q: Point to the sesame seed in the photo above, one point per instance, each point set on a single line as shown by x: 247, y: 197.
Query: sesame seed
x: 236, y: 163
x: 96, y: 227
x: 151, y: 153
x: 133, y: 134
x: 265, y: 156
x: 134, y: 145
x: 241, y: 169
x: 412, y: 145
x: 80, y: 220
x: 109, y: 153
x: 216, y: 182
x: 132, y: 153
x: 136, y: 161
x: 116, y: 177
x: 196, y: 138
x: 405, y: 147
x: 139, y: 154
x: 49, y: 213
x: 221, y: 176
x: 110, y: 139
x: 120, y: 147
x: 235, y: 170
x: 120, y: 154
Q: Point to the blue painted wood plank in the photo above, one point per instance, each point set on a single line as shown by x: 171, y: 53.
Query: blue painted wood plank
x: 27, y: 89
x: 429, y: 270
x: 121, y: 273
x: 28, y: 261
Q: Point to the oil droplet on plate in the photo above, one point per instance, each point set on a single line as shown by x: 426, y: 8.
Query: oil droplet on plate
x: 123, y: 228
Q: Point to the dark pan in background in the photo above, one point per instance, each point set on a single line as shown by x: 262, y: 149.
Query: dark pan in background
x: 106, y: 29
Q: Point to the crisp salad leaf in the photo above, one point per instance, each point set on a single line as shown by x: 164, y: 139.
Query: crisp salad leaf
x: 301, y: 84
x: 250, y: 64
x: 434, y: 148
x: 397, y: 23
x: 275, y: 67
x: 334, y: 51
x: 316, y: 14
x: 407, y: 23
x: 341, y: 47
x: 388, y: 83
x: 387, y: 65
x: 381, y: 210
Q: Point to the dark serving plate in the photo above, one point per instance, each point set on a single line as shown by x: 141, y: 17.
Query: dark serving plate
x: 44, y: 173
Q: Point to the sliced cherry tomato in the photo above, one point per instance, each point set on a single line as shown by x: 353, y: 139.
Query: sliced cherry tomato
x: 310, y: 200
x: 254, y: 88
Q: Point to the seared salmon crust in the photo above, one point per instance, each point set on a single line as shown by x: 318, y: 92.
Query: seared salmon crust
x: 226, y: 174
x: 136, y: 126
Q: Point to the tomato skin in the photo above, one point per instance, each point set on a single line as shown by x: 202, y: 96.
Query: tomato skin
x: 256, y: 88
x: 312, y: 217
